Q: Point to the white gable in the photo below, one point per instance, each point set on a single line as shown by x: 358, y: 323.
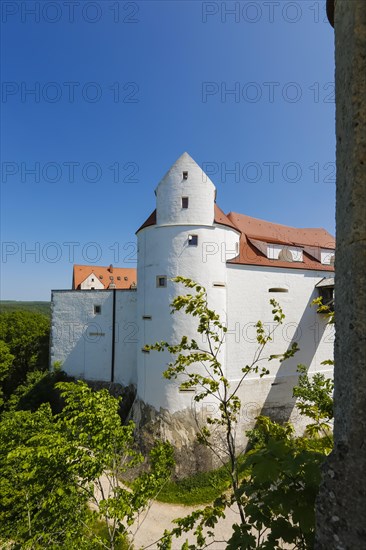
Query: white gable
x: 91, y: 283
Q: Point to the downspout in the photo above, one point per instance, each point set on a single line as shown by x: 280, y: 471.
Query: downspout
x: 113, y: 334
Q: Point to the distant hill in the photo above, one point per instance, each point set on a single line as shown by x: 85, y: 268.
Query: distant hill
x: 37, y: 307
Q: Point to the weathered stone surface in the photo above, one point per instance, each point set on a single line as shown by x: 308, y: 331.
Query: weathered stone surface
x: 180, y: 428
x: 341, y: 508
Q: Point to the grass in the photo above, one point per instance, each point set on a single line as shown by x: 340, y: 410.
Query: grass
x: 201, y: 488
x: 197, y: 489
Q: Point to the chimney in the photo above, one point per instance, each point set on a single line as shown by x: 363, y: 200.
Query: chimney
x: 110, y: 269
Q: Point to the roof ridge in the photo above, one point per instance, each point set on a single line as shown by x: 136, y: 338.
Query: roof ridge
x: 231, y: 213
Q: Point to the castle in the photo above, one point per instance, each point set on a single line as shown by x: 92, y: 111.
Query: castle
x: 243, y: 262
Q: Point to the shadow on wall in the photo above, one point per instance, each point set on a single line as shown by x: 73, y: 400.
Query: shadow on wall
x: 281, y: 390
x: 84, y: 343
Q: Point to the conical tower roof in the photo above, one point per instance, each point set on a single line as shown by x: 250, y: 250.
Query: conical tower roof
x: 185, y: 163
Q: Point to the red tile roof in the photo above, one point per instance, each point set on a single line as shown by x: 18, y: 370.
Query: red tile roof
x: 220, y: 218
x: 123, y: 277
x: 255, y: 229
x: 151, y: 220
x: 261, y: 230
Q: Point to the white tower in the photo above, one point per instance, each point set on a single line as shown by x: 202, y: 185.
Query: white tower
x: 187, y: 235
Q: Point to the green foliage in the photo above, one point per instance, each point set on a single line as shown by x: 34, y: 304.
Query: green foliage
x: 276, y: 496
x: 53, y: 467
x: 98, y: 530
x: 315, y: 401
x: 9, y: 306
x: 39, y: 387
x: 40, y: 503
x: 202, y: 487
x: 324, y: 309
x: 6, y: 362
x: 279, y: 494
x: 27, y: 336
x: 199, y: 488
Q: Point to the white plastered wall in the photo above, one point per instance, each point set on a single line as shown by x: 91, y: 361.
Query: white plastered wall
x: 81, y: 340
x: 248, y: 302
x: 164, y: 251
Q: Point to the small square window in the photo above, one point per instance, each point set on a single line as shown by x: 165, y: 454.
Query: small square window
x: 184, y: 202
x: 193, y: 240
x: 92, y: 280
x: 161, y: 281
x: 185, y: 175
x: 97, y: 310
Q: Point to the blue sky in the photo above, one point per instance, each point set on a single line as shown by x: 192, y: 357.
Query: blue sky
x: 122, y: 89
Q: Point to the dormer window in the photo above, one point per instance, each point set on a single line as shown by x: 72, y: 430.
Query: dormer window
x: 185, y: 175
x: 184, y: 202
x: 285, y: 255
x: 327, y: 257
x: 193, y: 240
x: 277, y: 251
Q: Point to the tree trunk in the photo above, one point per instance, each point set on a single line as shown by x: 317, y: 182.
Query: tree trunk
x: 341, y: 506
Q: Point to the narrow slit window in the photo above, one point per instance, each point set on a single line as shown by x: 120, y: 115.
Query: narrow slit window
x: 146, y: 317
x: 184, y: 202
x: 144, y: 350
x: 278, y: 289
x: 193, y: 240
x: 185, y: 175
x: 97, y: 310
x: 219, y: 285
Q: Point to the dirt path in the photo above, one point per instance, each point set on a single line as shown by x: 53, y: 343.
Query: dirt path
x: 152, y: 523
x: 159, y: 517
